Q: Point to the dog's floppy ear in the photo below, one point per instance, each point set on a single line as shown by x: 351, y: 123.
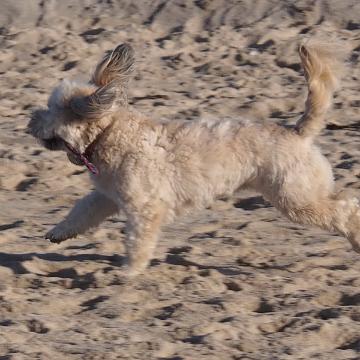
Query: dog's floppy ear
x: 116, y: 66
x: 96, y: 105
x: 111, y: 77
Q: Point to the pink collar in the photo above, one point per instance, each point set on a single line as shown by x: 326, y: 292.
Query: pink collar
x: 87, y: 154
x: 84, y: 157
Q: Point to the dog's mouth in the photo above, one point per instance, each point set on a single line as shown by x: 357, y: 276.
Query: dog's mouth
x: 78, y: 158
x: 53, y: 144
x: 74, y: 155
x: 74, y: 158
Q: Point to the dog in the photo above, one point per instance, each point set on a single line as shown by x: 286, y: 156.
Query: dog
x: 154, y: 170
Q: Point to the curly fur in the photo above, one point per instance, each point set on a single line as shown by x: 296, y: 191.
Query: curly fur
x: 154, y: 170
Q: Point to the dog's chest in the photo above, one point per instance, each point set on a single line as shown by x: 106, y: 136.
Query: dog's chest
x: 106, y: 184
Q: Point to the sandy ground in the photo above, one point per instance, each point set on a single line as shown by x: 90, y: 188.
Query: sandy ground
x: 236, y: 281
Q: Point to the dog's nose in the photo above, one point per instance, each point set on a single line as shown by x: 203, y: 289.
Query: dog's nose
x: 36, y: 122
x: 31, y: 126
x: 28, y: 131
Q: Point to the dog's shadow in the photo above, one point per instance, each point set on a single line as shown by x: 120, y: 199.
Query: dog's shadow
x: 15, y: 261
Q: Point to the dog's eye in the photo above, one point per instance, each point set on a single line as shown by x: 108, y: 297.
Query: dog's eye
x: 54, y: 143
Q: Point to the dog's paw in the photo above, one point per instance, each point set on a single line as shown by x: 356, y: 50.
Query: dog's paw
x: 59, y: 234
x: 354, y: 226
x: 131, y: 271
x: 355, y: 242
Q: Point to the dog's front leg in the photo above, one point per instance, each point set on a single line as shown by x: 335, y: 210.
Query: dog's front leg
x: 88, y: 212
x: 143, y: 229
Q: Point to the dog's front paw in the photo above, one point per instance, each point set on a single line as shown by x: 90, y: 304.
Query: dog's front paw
x: 59, y: 234
x: 131, y: 271
x: 354, y: 239
x: 354, y: 236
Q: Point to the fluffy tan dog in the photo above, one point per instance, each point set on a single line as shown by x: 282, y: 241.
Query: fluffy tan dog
x: 154, y: 170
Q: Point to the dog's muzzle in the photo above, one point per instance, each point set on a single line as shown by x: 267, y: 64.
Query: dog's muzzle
x: 53, y: 144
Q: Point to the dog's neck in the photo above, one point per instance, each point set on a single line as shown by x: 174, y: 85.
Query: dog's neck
x: 91, y: 147
x: 118, y: 133
x: 86, y: 156
x: 89, y: 150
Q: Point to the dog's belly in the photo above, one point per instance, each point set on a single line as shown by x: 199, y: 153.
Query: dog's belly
x: 200, y: 188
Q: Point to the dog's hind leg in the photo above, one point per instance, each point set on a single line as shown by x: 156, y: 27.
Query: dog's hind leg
x: 333, y: 214
x: 89, y: 212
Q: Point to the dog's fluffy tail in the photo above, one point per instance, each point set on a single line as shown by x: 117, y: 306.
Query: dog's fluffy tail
x: 322, y: 70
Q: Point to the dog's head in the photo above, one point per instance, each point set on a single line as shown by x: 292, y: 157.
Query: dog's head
x: 75, y: 109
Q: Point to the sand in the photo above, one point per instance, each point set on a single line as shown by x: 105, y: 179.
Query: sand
x: 235, y: 281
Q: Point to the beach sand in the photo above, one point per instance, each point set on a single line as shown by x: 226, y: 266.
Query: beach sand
x: 235, y: 281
